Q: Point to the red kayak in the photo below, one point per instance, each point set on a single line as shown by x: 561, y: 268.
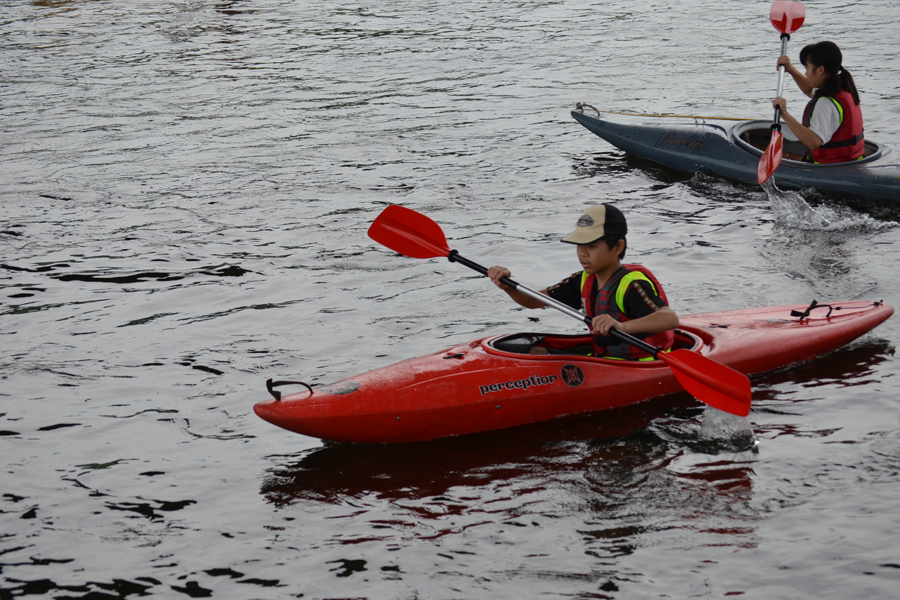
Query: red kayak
x: 495, y: 383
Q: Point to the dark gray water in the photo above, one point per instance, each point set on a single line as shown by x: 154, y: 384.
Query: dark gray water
x: 186, y: 188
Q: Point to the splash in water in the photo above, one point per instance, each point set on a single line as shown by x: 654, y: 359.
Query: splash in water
x: 792, y: 210
x: 728, y: 431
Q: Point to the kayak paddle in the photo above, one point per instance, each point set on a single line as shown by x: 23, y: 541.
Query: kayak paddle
x: 787, y: 16
x: 413, y: 234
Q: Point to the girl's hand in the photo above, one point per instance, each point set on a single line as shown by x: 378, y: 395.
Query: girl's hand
x: 497, y: 273
x: 783, y: 60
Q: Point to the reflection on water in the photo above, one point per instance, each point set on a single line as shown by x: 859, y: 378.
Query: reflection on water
x: 608, y: 471
x: 433, y: 468
x: 851, y: 366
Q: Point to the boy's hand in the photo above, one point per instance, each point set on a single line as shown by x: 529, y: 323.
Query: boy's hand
x: 603, y: 323
x: 497, y: 273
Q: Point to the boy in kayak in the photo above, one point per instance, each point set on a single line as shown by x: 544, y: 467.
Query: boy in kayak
x: 625, y: 297
x: 832, y: 124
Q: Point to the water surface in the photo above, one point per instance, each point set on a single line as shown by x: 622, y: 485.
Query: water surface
x: 186, y: 191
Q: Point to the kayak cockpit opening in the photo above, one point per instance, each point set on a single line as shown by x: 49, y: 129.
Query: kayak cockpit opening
x: 518, y: 343
x: 569, y: 345
x: 758, y: 134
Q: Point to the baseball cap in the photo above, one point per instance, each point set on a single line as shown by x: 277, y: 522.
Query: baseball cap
x: 596, y: 222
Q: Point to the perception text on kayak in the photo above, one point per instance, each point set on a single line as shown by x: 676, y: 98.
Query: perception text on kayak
x: 518, y: 384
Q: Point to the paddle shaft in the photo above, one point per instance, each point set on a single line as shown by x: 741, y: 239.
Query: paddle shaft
x: 784, y: 40
x: 454, y: 256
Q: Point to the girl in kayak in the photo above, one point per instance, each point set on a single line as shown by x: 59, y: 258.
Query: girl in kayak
x: 832, y: 124
x: 625, y: 297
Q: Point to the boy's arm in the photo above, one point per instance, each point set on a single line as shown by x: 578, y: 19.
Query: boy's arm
x: 651, y: 315
x: 498, y: 273
x: 658, y: 321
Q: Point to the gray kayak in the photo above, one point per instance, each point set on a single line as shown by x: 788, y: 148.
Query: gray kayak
x: 733, y: 147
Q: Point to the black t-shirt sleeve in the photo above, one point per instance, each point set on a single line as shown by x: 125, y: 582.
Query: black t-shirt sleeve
x: 641, y: 300
x: 568, y: 291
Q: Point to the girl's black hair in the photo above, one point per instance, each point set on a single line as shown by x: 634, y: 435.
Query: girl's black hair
x: 828, y: 55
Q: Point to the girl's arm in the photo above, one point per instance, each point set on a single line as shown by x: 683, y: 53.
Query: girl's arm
x: 806, y: 135
x: 799, y: 77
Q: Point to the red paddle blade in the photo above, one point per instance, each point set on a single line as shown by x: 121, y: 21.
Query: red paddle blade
x: 410, y: 233
x: 787, y: 16
x: 708, y: 381
x: 771, y: 158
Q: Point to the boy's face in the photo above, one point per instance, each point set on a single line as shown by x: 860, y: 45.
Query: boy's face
x: 598, y: 257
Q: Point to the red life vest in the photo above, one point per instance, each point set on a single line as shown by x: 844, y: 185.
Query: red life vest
x: 609, y: 300
x: 848, y: 142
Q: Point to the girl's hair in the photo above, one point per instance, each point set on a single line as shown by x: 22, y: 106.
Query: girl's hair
x: 828, y: 55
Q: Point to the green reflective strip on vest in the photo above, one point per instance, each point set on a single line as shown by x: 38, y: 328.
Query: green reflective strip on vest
x: 837, y: 105
x: 623, y: 287
x: 840, y: 108
x: 815, y: 162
